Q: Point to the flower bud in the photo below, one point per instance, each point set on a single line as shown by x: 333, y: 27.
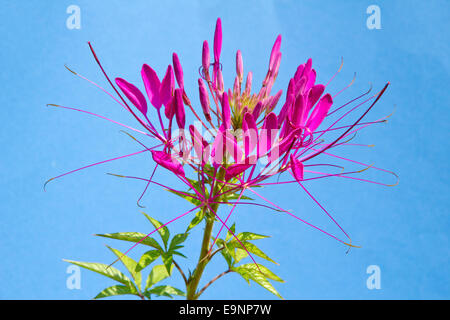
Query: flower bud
x: 239, y: 66
x: 204, y: 99
x: 205, y: 60
x: 179, y: 108
x: 248, y: 84
x: 178, y: 70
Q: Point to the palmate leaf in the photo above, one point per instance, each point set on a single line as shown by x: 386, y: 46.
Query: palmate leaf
x: 245, y: 236
x: 199, y: 216
x: 177, y: 240
x: 130, y: 264
x: 115, y: 291
x: 233, y: 244
x: 187, y: 196
x: 158, y: 273
x: 106, y: 271
x: 167, y: 259
x: 167, y: 291
x: 132, y: 237
x: 147, y: 258
x: 251, y: 272
x: 163, y: 230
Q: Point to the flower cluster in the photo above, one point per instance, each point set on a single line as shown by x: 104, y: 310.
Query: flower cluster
x: 240, y: 137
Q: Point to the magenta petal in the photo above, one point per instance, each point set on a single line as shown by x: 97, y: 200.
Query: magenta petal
x: 205, y: 56
x: 201, y: 146
x: 285, y: 109
x: 166, y: 161
x: 178, y: 70
x: 274, y: 52
x: 298, y: 111
x: 152, y: 85
x: 169, y: 110
x: 179, y: 108
x: 257, y: 110
x: 320, y: 112
x: 133, y: 94
x: 235, y: 170
x: 299, y: 72
x: 226, y: 111
x: 218, y: 40
x: 204, y: 99
x: 314, y: 95
x: 297, y: 168
x: 250, y: 133
x: 311, y: 79
x: 268, y: 133
x: 167, y: 85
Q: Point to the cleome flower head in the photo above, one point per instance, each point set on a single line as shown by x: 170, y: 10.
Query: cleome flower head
x: 234, y: 139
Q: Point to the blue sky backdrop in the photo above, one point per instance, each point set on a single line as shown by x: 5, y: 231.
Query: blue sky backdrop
x: 404, y: 229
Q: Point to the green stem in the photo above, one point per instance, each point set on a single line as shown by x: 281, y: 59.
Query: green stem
x: 203, y: 260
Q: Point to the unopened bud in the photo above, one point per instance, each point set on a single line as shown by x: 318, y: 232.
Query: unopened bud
x: 239, y: 66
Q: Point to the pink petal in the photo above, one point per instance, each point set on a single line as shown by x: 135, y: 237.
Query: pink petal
x: 257, y: 110
x: 314, y: 95
x: 274, y: 52
x: 204, y: 99
x: 179, y: 108
x: 235, y: 170
x: 226, y: 112
x: 285, y: 109
x: 133, y: 94
x: 239, y: 65
x: 320, y: 112
x: 167, y: 85
x: 250, y: 133
x: 178, y: 70
x: 218, y: 40
x: 166, y: 161
x: 205, y: 56
x: 297, y: 168
x: 152, y: 85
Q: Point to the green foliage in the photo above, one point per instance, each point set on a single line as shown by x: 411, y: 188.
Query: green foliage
x: 233, y: 252
x: 233, y: 248
x: 158, y: 273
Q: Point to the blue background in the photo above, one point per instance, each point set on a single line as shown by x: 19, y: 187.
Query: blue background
x: 403, y: 229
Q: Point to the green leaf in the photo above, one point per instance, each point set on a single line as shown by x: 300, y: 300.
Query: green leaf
x: 188, y: 196
x: 107, y: 271
x: 163, y: 230
x: 177, y: 240
x: 132, y: 237
x: 266, y: 272
x: 167, y: 291
x: 197, y: 219
x: 250, y: 248
x: 249, y: 273
x: 245, y: 236
x: 130, y: 264
x: 179, y: 254
x: 231, y: 232
x: 147, y: 258
x: 167, y: 259
x: 239, y: 255
x: 224, y: 252
x: 115, y: 291
x: 157, y: 274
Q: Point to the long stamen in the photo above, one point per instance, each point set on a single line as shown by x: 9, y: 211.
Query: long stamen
x: 357, y: 121
x: 94, y: 164
x: 304, y: 221
x: 148, y: 183
x: 97, y: 115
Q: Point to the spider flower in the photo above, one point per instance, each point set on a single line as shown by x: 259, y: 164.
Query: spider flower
x: 240, y: 138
